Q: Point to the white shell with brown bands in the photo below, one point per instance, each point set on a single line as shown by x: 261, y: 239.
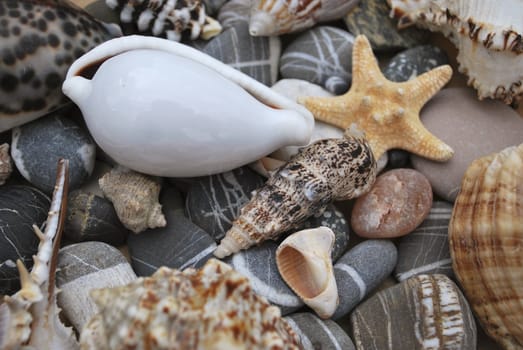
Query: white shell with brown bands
x: 486, y: 239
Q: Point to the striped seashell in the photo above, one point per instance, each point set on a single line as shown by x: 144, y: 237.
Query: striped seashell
x: 174, y: 20
x: 486, y: 239
x: 275, y: 17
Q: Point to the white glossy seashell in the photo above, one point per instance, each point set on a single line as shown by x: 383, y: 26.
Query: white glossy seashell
x: 304, y: 261
x: 163, y: 108
x: 488, y: 35
x: 275, y: 17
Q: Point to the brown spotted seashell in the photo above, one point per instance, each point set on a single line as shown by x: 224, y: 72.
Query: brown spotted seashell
x: 325, y: 171
x: 486, y: 241
x: 211, y: 308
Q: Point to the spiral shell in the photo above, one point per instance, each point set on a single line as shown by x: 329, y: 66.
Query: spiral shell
x: 486, y: 239
x: 211, y: 308
x: 327, y: 170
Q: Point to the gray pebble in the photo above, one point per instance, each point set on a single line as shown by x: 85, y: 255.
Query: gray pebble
x: 178, y: 245
x: 413, y: 62
x: 83, y: 267
x: 426, y: 249
x: 397, y: 158
x: 234, y: 11
x: 361, y: 270
x: 212, y: 6
x: 316, y: 333
x: 215, y: 201
x: 323, y: 56
x: 38, y: 145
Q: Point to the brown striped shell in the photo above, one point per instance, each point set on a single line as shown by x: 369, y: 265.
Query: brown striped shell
x: 486, y: 241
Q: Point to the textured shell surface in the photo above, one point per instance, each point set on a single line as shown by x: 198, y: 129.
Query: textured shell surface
x: 486, y: 238
x: 149, y: 126
x: 327, y: 170
x: 275, y: 17
x: 173, y: 20
x: 39, y: 40
x: 211, y: 308
x: 488, y: 36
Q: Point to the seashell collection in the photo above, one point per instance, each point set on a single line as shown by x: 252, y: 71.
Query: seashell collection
x: 172, y: 242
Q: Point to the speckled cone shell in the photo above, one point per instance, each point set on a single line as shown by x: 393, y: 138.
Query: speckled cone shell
x: 486, y: 240
x: 211, y: 308
x: 327, y: 170
x: 488, y: 35
x: 304, y: 261
x: 135, y: 198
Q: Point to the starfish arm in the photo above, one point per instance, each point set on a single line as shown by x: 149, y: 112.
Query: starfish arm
x: 428, y: 84
x: 365, y: 67
x: 330, y: 110
x: 420, y: 141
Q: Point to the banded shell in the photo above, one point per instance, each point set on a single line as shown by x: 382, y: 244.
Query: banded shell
x: 211, y: 308
x: 40, y: 40
x: 486, y: 239
x: 327, y: 170
x: 173, y: 20
x: 304, y: 261
x: 275, y: 17
x: 488, y: 36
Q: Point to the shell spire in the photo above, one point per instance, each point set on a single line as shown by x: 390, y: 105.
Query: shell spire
x: 327, y: 170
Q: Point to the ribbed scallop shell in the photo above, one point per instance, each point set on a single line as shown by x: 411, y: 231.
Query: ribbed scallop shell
x: 211, y: 308
x: 486, y: 241
x: 275, y: 17
x: 488, y: 35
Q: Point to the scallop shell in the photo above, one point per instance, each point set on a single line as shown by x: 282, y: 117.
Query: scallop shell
x: 275, y: 17
x: 327, y: 170
x: 168, y: 19
x: 304, y: 261
x: 486, y: 239
x: 488, y: 35
x: 29, y: 318
x: 135, y: 198
x: 211, y: 308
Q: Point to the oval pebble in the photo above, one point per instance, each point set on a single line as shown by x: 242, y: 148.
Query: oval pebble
x: 323, y: 56
x: 316, y: 333
x: 37, y: 146
x: 180, y: 244
x: 397, y: 203
x: 423, y: 312
x: 472, y: 128
x: 361, y: 270
x: 21, y: 208
x: 410, y: 63
x: 83, y: 267
x: 234, y: 11
x: 213, y: 202
x: 426, y: 249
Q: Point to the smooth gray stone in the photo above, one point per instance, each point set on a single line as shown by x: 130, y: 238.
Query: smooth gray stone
x: 398, y: 158
x: 412, y: 62
x: 180, y: 244
x: 257, y: 57
x: 316, y: 333
x: 83, y: 267
x: 215, y: 201
x: 258, y: 264
x: 212, y: 6
x: 234, y: 11
x: 20, y: 208
x: 323, y: 56
x: 371, y: 18
x: 361, y: 270
x: 423, y: 312
x: 426, y: 249
x: 37, y: 146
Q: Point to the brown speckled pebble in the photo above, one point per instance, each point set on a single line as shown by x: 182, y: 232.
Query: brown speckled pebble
x: 397, y: 203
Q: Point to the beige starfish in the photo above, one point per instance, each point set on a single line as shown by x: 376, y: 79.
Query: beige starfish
x: 387, y: 111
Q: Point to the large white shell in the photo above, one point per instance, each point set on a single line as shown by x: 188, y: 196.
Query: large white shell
x: 488, y: 35
x: 163, y: 108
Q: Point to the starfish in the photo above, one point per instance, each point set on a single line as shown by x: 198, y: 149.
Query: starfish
x: 386, y: 111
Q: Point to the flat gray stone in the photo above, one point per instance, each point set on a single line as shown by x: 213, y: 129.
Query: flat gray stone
x: 234, y: 11
x: 410, y: 63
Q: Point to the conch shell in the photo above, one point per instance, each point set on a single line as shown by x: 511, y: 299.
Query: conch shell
x: 29, y: 318
x: 327, y: 170
x: 304, y: 261
x: 183, y: 113
x: 275, y: 17
x: 488, y: 35
x: 486, y: 239
x: 209, y: 309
